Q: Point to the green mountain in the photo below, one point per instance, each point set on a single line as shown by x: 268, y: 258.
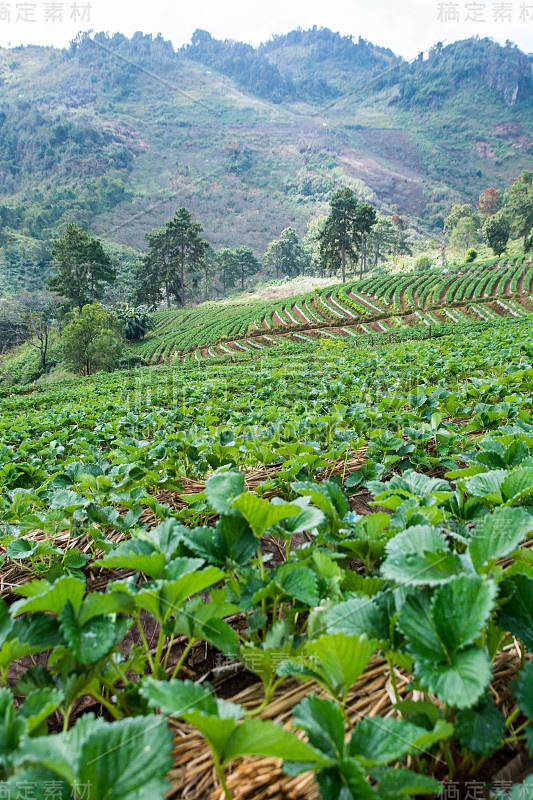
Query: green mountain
x: 116, y: 133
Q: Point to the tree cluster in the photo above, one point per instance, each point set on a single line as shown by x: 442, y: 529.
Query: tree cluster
x: 496, y: 217
x: 81, y: 267
x: 345, y: 232
x: 285, y: 257
x: 175, y: 251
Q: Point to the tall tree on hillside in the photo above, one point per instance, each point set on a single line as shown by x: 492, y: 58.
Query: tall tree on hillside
x: 272, y: 258
x: 366, y: 219
x: 497, y: 230
x: 209, y: 270
x: 155, y: 270
x: 173, y: 250
x: 464, y: 234
x: 311, y: 244
x: 489, y: 203
x: 341, y: 237
x: 293, y: 259
x: 80, y: 268
x: 184, y: 246
x: 459, y: 212
x: 518, y: 202
x: 380, y: 241
x: 401, y: 242
x: 286, y: 256
x: 228, y: 268
x: 246, y: 263
x: 92, y: 340
x: 39, y: 310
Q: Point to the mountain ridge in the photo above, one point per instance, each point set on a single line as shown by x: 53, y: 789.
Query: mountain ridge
x: 115, y: 133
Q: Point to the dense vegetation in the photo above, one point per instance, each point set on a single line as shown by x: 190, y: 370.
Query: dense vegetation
x: 506, y: 73
x: 145, y: 475
x: 290, y: 555
x: 84, y: 145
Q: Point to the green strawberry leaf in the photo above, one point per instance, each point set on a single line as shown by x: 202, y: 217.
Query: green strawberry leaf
x: 93, y: 640
x: 481, y: 728
x: 460, y: 683
x: 517, y: 486
x: 487, y: 486
x: 52, y: 597
x: 420, y: 556
x: 377, y: 741
x: 340, y: 659
x: 222, y: 488
x: 461, y: 609
x: 135, y: 554
x: 522, y: 689
x: 261, y: 514
x: 127, y: 760
x: 498, y: 535
x: 393, y: 782
x: 516, y: 611
x: 323, y: 723
x: 39, y: 705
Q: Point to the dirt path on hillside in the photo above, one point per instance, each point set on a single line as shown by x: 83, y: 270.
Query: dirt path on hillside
x: 363, y: 301
x: 496, y: 308
x: 276, y: 319
x: 335, y: 306
x: 298, y: 314
x: 526, y: 303
x: 442, y: 295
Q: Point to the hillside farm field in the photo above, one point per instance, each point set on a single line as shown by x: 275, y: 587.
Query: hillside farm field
x: 387, y: 307
x: 303, y: 575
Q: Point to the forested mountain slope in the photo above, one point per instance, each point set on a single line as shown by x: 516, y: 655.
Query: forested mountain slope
x: 116, y: 133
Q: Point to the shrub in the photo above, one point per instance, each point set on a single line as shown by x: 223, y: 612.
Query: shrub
x: 422, y: 263
x: 92, y: 340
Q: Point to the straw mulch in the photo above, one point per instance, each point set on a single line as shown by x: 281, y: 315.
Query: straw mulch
x: 255, y: 778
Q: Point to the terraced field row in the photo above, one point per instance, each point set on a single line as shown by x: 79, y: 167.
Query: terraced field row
x: 418, y: 324
x: 373, y: 306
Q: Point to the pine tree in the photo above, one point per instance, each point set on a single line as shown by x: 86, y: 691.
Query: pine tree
x: 366, y: 219
x: 184, y: 246
x: 340, y: 238
x: 247, y: 264
x: 518, y: 202
x: 81, y: 267
x: 173, y: 250
x: 227, y: 267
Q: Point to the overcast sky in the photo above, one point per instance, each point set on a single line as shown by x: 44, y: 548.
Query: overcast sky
x: 406, y: 27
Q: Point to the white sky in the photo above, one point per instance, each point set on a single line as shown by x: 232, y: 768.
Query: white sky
x: 407, y: 26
